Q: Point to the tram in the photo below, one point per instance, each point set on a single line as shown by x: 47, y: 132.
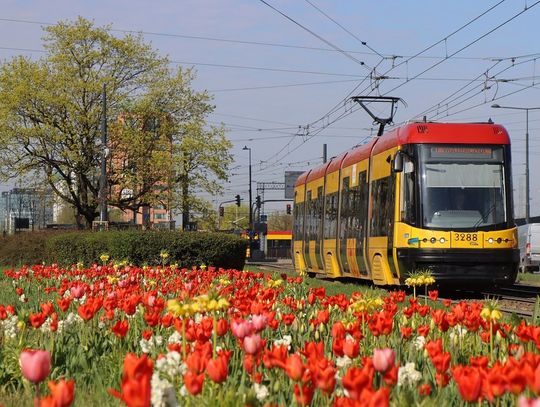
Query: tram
x: 423, y: 196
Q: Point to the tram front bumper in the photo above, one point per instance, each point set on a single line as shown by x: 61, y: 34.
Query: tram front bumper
x: 471, y: 266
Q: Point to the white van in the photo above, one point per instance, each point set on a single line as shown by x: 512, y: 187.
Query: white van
x: 529, y: 247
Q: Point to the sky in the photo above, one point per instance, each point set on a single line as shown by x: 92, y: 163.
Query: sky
x: 281, y: 72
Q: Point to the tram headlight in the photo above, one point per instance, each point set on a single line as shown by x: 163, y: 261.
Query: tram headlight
x: 499, y: 240
x: 490, y: 240
x: 432, y: 240
x: 442, y: 240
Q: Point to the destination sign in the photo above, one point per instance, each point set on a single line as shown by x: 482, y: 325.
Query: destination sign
x: 461, y: 152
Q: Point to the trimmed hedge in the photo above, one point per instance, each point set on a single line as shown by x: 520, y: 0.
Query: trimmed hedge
x: 24, y: 248
x: 143, y: 247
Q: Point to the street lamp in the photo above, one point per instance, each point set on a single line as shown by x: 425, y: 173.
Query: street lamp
x: 527, y: 187
x: 250, y: 213
x: 250, y: 196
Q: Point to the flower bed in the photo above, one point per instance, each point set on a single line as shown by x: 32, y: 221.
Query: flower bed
x: 167, y: 336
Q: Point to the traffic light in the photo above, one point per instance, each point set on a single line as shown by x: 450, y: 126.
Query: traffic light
x: 288, y: 209
x: 237, y: 197
x: 258, y: 201
x: 221, y: 211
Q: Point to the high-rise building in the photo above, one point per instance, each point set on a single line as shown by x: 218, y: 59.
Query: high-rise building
x: 26, y: 209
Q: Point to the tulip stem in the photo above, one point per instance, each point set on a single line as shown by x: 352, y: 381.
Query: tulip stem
x: 214, y: 334
x: 37, y: 401
x: 184, y: 338
x: 491, y: 339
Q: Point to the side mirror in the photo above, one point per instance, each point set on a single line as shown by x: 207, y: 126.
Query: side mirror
x: 397, y: 163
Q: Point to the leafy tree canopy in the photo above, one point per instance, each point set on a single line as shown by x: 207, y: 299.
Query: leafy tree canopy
x: 161, y: 149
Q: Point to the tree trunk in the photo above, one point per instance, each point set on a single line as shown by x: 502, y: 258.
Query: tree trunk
x: 185, y: 203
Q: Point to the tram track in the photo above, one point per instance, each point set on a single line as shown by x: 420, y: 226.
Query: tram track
x: 519, y: 299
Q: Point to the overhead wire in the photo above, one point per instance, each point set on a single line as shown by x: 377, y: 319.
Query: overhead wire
x: 243, y: 42
x: 447, y: 101
x: 436, y: 64
x: 392, y: 68
x: 364, y: 43
x: 332, y: 45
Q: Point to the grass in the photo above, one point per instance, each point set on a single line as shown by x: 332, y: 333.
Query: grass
x: 529, y: 278
x: 332, y: 287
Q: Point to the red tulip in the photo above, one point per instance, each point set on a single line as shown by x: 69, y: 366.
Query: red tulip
x: 351, y: 348
x: 323, y: 317
x: 217, y: 369
x: 383, y: 359
x: 136, y: 387
x: 63, y: 303
x: 441, y: 361
x: 196, y: 362
x: 424, y: 389
x: 86, y: 311
x: 62, y: 392
x: 37, y: 319
x: 469, y: 382
x: 355, y: 381
x: 47, y: 308
x: 120, y: 328
x: 194, y: 383
x: 305, y: 396
x: 294, y: 367
x: 222, y: 327
x: 35, y: 364
x: 324, y: 375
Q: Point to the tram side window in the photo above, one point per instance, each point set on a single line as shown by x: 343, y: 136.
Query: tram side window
x: 345, y: 208
x: 309, y: 216
x: 358, y: 197
x: 313, y: 210
x: 383, y: 205
x: 319, y: 214
x: 408, y: 204
x: 330, y: 219
x: 360, y: 208
x: 299, y: 220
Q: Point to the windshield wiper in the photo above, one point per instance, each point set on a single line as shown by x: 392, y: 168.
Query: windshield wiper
x: 484, y: 216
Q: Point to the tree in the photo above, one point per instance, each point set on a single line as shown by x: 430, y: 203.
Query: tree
x: 279, y: 221
x: 51, y: 109
x: 235, y: 218
x: 202, y: 162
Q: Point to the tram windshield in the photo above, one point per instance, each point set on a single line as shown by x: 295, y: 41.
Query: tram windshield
x: 463, y: 187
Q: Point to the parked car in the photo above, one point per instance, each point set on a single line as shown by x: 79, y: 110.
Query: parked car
x: 529, y: 247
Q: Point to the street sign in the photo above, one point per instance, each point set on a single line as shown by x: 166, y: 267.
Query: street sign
x: 290, y: 180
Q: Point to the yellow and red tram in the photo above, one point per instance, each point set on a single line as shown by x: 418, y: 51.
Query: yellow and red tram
x: 424, y: 196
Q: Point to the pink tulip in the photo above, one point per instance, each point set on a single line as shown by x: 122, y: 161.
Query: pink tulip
x: 383, y: 359
x: 77, y: 291
x: 35, y: 364
x: 525, y: 402
x: 242, y: 329
x: 252, y: 344
x: 259, y: 322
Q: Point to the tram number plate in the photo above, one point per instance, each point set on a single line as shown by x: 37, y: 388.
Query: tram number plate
x: 466, y: 237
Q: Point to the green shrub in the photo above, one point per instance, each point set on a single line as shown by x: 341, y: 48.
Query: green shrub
x: 144, y: 247
x: 24, y: 248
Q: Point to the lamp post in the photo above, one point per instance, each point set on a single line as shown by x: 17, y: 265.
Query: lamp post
x: 250, y: 195
x: 103, y: 212
x: 250, y: 213
x: 527, y: 187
